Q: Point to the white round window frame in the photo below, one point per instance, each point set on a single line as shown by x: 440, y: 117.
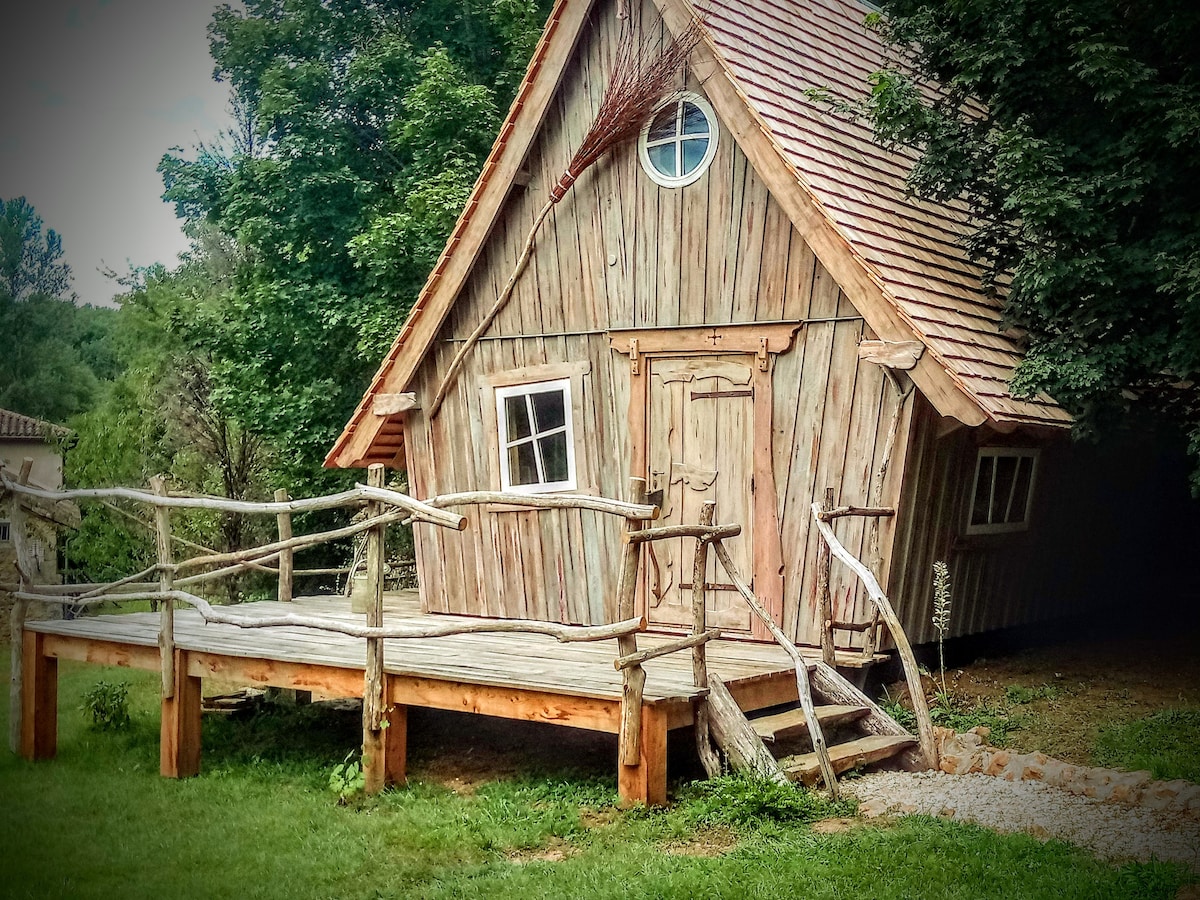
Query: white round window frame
x: 714, y: 131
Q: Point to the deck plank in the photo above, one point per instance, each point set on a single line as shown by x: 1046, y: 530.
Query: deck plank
x: 500, y: 660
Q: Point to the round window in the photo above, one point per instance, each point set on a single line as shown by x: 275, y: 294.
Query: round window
x: 679, y: 141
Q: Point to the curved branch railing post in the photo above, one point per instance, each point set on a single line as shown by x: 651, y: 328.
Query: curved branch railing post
x: 803, y: 687
x: 374, y: 770
x: 166, y: 583
x: 912, y: 674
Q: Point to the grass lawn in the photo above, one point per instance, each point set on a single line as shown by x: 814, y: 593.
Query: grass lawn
x: 262, y: 821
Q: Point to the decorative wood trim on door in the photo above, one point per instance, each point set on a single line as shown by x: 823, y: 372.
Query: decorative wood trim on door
x: 768, y: 541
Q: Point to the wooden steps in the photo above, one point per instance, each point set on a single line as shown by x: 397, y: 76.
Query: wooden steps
x: 850, y: 755
x: 857, y: 732
x: 792, y: 721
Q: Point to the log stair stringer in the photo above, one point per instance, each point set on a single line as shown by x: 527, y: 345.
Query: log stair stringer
x: 859, y: 733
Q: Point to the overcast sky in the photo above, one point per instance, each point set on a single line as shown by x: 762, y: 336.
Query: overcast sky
x: 92, y: 94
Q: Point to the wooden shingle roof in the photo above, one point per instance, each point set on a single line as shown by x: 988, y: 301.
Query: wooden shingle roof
x: 774, y: 51
x: 895, y: 256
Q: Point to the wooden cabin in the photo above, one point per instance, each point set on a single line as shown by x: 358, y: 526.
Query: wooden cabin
x: 742, y: 304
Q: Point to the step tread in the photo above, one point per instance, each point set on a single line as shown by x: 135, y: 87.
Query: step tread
x: 769, y: 728
x: 850, y: 755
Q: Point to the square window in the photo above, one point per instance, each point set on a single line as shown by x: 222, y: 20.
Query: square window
x: 1002, y: 494
x: 536, y: 437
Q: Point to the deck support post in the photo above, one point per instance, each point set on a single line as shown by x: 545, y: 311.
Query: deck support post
x: 634, y: 677
x: 39, y: 699
x: 179, y: 734
x: 374, y: 760
x: 646, y: 782
x: 20, y: 611
x: 395, y: 745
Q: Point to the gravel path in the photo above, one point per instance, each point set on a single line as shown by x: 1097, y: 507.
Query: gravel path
x: 1112, y: 831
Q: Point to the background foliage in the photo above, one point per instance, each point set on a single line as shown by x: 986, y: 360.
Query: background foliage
x: 360, y: 128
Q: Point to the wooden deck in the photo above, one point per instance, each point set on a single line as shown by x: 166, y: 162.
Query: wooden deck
x: 517, y: 676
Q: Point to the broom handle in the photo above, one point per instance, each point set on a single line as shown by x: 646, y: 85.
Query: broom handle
x: 473, y: 339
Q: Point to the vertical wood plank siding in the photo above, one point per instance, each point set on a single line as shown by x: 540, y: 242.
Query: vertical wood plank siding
x: 999, y: 580
x: 622, y: 252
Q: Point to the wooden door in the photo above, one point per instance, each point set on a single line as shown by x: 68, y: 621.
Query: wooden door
x: 699, y: 446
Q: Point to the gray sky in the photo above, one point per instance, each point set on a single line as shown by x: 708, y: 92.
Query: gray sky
x: 94, y: 92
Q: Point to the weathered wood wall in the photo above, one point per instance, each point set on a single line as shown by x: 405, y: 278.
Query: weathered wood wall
x: 621, y: 252
x: 999, y: 580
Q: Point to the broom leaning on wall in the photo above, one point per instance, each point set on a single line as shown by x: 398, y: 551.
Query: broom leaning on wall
x: 641, y: 77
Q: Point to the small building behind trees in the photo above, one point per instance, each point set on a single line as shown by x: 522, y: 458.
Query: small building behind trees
x: 21, y: 438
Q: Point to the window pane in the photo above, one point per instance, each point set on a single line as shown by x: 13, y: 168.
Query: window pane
x: 663, y: 125
x: 522, y: 467
x: 554, y: 456
x: 693, y: 153
x: 1020, y: 497
x: 549, y: 411
x: 518, y: 418
x: 983, y: 491
x: 694, y: 121
x: 1006, y: 470
x: 662, y: 158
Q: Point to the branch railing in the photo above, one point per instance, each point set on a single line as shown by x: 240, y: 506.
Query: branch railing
x: 709, y: 535
x: 384, y: 507
x: 388, y: 507
x: 823, y: 515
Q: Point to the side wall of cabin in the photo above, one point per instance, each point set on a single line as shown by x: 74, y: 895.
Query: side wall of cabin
x: 621, y: 252
x: 998, y: 580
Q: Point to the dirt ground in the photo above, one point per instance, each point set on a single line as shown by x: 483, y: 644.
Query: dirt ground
x: 1066, y: 692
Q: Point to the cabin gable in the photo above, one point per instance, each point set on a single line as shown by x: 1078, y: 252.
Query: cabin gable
x: 701, y: 275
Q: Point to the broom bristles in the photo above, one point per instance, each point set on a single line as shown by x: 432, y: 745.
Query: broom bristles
x: 641, y: 78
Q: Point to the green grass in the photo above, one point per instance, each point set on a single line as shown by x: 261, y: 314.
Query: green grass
x: 261, y: 821
x: 1166, y: 744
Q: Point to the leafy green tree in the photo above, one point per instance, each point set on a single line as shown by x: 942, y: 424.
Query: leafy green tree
x: 158, y: 416
x: 52, y: 352
x: 30, y: 260
x: 43, y: 372
x: 1072, y: 129
x: 362, y: 126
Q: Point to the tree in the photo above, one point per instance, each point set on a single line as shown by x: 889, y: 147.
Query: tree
x: 30, y: 261
x: 53, y: 350
x: 362, y: 127
x: 158, y: 416
x: 1082, y: 171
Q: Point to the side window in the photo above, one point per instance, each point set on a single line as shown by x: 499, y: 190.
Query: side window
x: 537, y: 441
x: 5, y: 532
x: 1003, y: 491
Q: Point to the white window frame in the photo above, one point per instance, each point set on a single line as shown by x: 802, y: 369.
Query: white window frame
x: 526, y: 390
x: 644, y: 144
x: 1028, y: 453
